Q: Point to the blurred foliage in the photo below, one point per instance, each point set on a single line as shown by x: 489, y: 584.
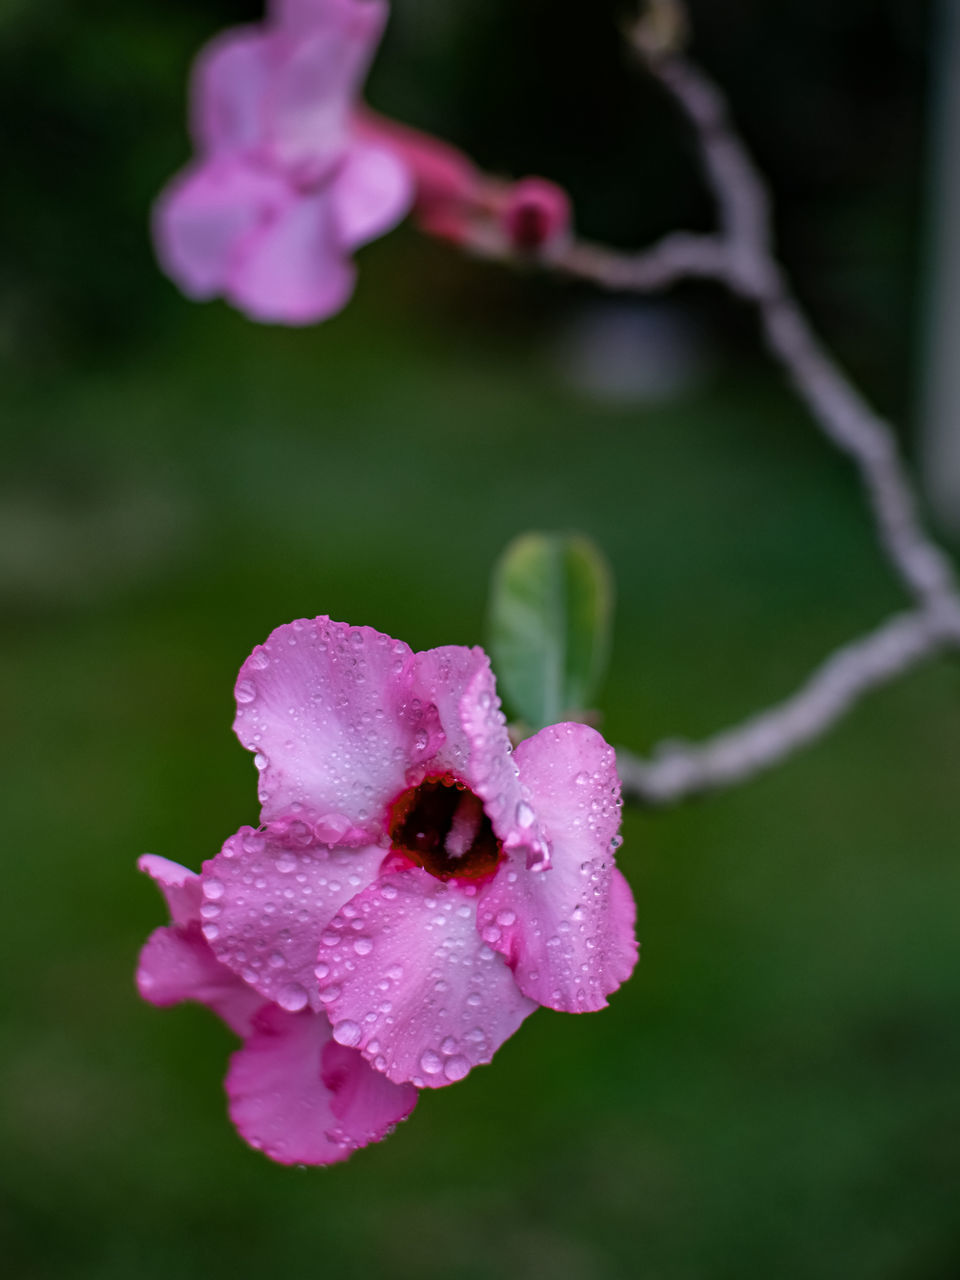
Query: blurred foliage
x: 774, y: 1094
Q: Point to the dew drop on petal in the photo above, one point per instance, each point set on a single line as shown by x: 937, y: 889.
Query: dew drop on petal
x: 292, y: 997
x: 525, y: 815
x: 456, y: 1068
x: 246, y: 691
x: 347, y: 1033
x: 430, y: 1063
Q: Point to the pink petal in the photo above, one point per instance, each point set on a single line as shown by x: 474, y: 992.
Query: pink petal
x: 177, y: 964
x: 327, y: 710
x: 477, y: 750
x: 321, y: 56
x: 293, y: 270
x: 269, y: 895
x: 567, y: 932
x: 296, y: 17
x: 301, y: 1099
x: 179, y: 885
x: 372, y: 192
x: 412, y: 985
x: 204, y: 217
x: 228, y: 89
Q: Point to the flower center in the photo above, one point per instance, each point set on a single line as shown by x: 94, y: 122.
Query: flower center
x: 441, y: 826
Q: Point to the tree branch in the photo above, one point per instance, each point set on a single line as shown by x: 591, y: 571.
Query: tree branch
x: 740, y: 256
x: 680, y: 770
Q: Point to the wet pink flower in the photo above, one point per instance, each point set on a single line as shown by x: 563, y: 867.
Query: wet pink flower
x: 294, y: 1092
x: 284, y: 188
x: 413, y: 878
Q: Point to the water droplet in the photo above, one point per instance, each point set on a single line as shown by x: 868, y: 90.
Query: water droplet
x: 456, y: 1068
x: 213, y: 889
x: 246, y: 691
x: 211, y: 932
x: 292, y: 997
x: 347, y: 1033
x: 506, y: 918
x: 363, y: 946
x: 525, y: 815
x: 430, y: 1063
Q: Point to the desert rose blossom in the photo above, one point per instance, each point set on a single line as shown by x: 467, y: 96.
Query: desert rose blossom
x: 413, y: 877
x: 294, y: 1092
x: 284, y: 188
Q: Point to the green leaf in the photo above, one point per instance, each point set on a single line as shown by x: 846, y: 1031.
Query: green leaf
x: 551, y: 607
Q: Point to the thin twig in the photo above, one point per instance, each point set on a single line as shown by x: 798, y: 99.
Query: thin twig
x: 679, y: 770
x: 740, y: 256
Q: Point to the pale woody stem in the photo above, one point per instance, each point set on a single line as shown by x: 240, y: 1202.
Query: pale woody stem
x: 740, y: 256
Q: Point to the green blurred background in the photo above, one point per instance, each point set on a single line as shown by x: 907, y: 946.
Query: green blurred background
x: 775, y: 1094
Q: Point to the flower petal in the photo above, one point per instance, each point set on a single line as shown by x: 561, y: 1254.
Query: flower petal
x: 411, y: 984
x: 322, y: 54
x: 327, y: 709
x: 297, y: 17
x: 372, y: 192
x: 567, y: 932
x: 477, y: 750
x: 293, y: 270
x: 301, y: 1099
x: 177, y: 964
x: 269, y: 895
x: 228, y: 89
x: 204, y: 218
x: 179, y: 885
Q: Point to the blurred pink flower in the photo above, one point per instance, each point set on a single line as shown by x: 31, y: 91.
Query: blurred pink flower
x: 294, y: 1092
x: 284, y: 187
x: 413, y: 877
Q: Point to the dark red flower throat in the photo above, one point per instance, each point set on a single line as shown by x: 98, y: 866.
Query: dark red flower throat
x: 441, y: 826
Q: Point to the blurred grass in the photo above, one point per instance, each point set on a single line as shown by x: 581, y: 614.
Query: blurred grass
x: 773, y: 1095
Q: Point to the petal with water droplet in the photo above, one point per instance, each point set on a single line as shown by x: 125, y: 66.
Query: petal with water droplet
x: 430, y: 995
x: 314, y: 717
x: 278, y: 890
x: 568, y: 931
x: 301, y: 1098
x: 176, y: 964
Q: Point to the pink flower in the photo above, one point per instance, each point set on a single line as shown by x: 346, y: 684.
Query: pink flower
x: 294, y: 1092
x: 413, y: 877
x: 284, y: 187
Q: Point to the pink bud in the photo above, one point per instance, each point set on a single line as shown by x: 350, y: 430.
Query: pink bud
x: 536, y: 215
